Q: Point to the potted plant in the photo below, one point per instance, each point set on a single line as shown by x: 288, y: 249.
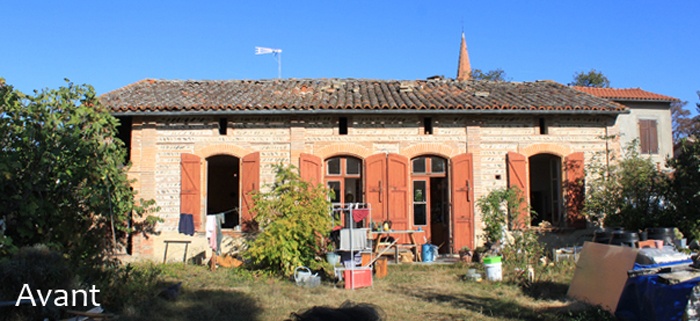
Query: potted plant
x: 465, y: 254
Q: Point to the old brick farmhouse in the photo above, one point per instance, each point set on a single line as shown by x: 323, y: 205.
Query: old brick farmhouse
x: 202, y: 147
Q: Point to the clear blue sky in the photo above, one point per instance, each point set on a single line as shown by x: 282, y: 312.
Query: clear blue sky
x: 653, y: 45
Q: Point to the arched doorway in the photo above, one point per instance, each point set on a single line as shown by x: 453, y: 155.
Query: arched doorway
x: 223, y: 188
x: 430, y: 199
x: 546, y: 189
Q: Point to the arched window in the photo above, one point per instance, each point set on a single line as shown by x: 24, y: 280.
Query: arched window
x: 344, y: 176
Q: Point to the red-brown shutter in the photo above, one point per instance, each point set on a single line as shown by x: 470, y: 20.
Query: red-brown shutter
x: 250, y: 183
x: 375, y: 186
x: 653, y: 138
x: 575, y: 190
x: 462, y: 202
x: 190, y: 188
x: 648, y: 136
x: 397, y: 192
x: 517, y: 177
x: 310, y: 168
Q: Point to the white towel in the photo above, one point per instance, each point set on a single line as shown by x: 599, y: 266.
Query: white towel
x: 210, y: 227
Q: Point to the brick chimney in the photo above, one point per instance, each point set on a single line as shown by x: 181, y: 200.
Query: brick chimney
x: 464, y: 69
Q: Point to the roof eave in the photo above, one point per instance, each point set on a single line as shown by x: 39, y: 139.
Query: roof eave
x: 371, y: 112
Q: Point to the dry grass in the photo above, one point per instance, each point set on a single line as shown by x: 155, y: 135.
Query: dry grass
x: 409, y: 292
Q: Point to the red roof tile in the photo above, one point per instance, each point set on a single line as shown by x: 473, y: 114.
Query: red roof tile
x: 625, y: 94
x: 332, y: 95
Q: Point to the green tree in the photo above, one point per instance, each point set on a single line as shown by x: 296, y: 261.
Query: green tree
x: 593, y: 78
x: 684, y: 184
x: 627, y: 192
x: 684, y: 125
x: 62, y: 181
x: 491, y: 75
x: 294, y: 222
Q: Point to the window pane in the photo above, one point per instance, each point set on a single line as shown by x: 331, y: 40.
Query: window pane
x: 419, y: 191
x: 419, y: 215
x: 351, y: 187
x: 419, y: 165
x: 437, y: 165
x: 335, y: 187
x: 353, y: 166
x: 333, y: 166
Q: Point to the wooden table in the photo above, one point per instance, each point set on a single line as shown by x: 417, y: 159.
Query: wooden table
x: 378, y: 235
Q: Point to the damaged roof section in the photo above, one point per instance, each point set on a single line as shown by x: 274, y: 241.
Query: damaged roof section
x: 351, y: 95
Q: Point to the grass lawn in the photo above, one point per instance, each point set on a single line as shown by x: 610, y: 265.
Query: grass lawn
x: 409, y: 292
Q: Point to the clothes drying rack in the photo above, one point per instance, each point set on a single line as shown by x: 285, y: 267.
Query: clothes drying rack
x: 347, y: 217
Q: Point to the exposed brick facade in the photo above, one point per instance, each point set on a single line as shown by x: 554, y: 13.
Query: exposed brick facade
x: 158, y: 141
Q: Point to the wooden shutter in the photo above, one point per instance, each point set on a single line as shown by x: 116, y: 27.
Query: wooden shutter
x: 648, y: 139
x: 190, y: 188
x: 397, y: 192
x: 462, y: 202
x: 375, y: 186
x: 574, y: 190
x: 517, y: 177
x: 310, y: 168
x: 250, y: 183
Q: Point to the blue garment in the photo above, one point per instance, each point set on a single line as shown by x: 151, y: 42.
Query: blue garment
x: 186, y: 225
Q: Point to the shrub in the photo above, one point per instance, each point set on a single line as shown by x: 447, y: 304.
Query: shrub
x: 496, y: 208
x: 293, y: 218
x: 627, y: 192
x: 123, y: 287
x: 63, y: 182
x: 41, y: 269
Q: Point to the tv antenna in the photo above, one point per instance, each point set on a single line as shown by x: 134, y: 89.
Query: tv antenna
x: 277, y: 53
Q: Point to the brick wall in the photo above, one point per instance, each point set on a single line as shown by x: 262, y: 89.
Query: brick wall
x: 157, y: 143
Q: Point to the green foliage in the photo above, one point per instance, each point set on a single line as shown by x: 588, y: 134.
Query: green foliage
x: 129, y: 285
x: 684, y: 192
x: 593, y: 78
x: 39, y: 268
x: 495, y: 208
x: 294, y: 221
x: 63, y: 179
x: 627, y: 192
x: 522, y: 252
x: 491, y: 75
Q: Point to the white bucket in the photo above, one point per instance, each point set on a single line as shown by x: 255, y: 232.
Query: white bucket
x: 494, y: 271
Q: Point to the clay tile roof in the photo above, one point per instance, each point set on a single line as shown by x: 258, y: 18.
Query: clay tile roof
x: 343, y: 95
x: 625, y: 94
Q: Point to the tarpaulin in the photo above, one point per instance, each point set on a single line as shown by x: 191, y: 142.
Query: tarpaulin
x: 647, y: 297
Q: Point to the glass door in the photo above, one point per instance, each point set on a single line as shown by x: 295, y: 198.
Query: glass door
x: 420, y: 203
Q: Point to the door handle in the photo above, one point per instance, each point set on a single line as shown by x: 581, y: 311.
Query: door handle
x: 468, y: 188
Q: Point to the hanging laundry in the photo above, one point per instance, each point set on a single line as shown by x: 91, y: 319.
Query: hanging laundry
x: 213, y: 231
x: 360, y: 214
x: 186, y: 224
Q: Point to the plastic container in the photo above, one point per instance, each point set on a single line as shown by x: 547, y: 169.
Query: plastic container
x: 332, y: 258
x: 624, y: 238
x: 429, y: 251
x: 357, y: 278
x: 661, y: 233
x: 304, y: 277
x: 472, y: 275
x: 602, y: 236
x: 493, y: 267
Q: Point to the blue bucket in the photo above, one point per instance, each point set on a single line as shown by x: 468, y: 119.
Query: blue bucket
x: 429, y: 252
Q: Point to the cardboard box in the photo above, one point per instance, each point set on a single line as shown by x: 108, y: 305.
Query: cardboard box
x: 357, y: 278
